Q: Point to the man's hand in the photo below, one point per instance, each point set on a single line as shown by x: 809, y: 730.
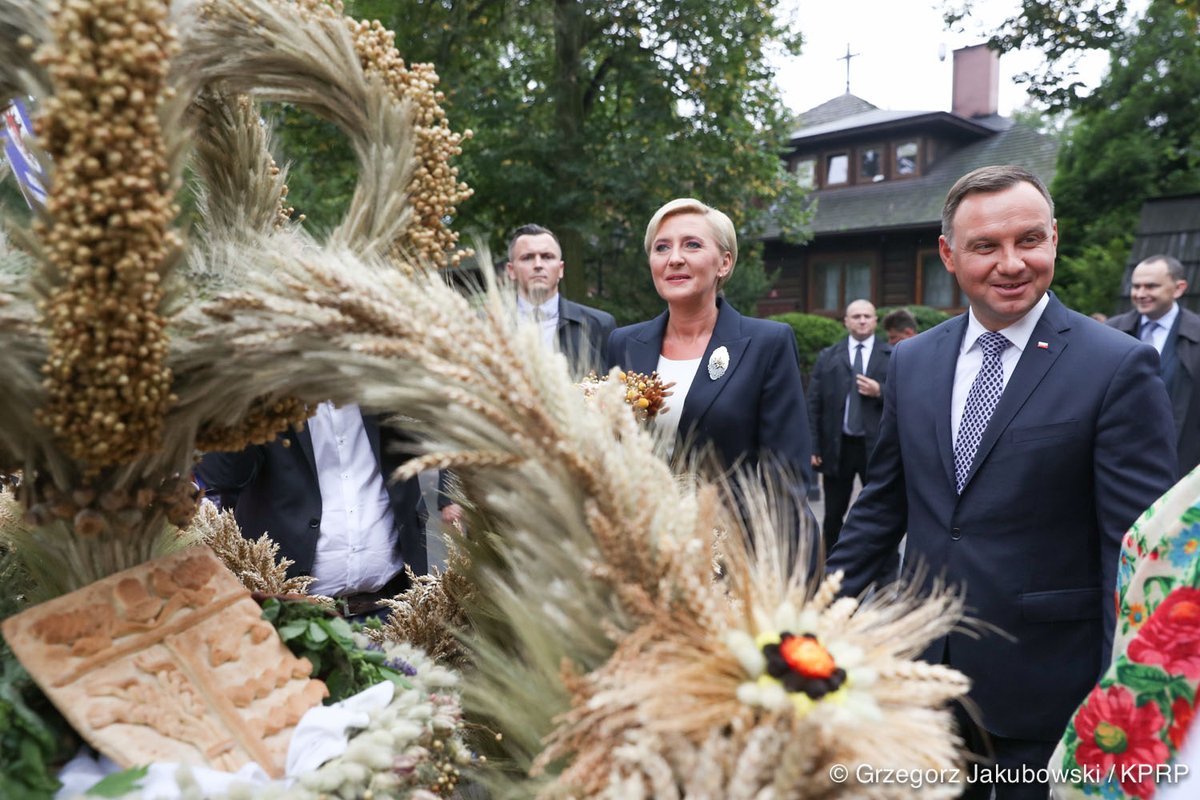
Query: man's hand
x: 816, y: 461
x: 452, y: 515
x: 867, y: 387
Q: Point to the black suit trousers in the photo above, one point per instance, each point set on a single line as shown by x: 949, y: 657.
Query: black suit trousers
x: 852, y: 461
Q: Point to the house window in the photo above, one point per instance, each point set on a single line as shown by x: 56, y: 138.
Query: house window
x: 906, y: 159
x: 837, y: 168
x: 806, y: 173
x: 840, y: 279
x: 870, y: 164
x: 939, y: 289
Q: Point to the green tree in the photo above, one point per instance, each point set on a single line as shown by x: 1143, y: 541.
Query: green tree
x: 1061, y: 30
x: 588, y: 116
x: 1136, y: 136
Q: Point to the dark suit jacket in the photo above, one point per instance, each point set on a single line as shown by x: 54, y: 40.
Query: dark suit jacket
x: 757, y: 407
x: 1078, y: 446
x: 278, y: 493
x: 1181, y: 371
x: 583, y: 336
x: 831, y: 380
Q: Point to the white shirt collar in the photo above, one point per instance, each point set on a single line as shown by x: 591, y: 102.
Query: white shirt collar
x: 1166, y: 320
x: 868, y: 344
x: 547, y: 310
x: 1018, y: 333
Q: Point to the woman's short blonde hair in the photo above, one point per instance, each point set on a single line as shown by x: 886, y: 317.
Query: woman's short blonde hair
x: 721, y: 225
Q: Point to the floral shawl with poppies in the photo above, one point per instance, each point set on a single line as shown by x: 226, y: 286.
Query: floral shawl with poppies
x: 1134, y: 721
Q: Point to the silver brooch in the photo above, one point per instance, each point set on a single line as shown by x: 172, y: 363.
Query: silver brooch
x: 718, y: 362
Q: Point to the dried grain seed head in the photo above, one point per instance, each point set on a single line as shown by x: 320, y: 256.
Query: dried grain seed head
x: 107, y: 239
x: 266, y: 419
x: 435, y: 192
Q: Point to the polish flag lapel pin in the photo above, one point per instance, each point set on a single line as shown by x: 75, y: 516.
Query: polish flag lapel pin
x: 1043, y: 345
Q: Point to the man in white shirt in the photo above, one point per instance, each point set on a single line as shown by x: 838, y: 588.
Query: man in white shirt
x: 1158, y: 319
x: 1018, y: 443
x: 323, y: 495
x: 845, y: 403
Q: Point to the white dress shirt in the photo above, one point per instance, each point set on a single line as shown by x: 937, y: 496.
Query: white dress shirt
x: 970, y: 357
x: 682, y: 372
x: 357, y: 549
x: 546, y: 316
x: 1158, y: 335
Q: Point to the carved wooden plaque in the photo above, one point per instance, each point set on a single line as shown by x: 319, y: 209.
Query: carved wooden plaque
x: 168, y: 661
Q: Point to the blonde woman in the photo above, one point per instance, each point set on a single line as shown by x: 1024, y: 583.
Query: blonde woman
x: 737, y: 379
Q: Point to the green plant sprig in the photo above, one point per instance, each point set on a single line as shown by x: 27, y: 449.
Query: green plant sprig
x: 340, y: 654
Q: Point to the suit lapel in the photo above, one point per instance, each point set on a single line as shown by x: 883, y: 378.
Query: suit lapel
x: 1032, y: 367
x: 642, y: 353
x: 303, y: 440
x: 845, y: 369
x: 945, y: 356
x: 371, y: 426
x: 1187, y: 344
x: 704, y: 390
x: 569, y: 326
x: 875, y: 366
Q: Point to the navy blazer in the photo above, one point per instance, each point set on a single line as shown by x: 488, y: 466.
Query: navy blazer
x: 278, y: 493
x: 831, y: 381
x: 1079, y: 445
x: 757, y: 407
x: 1181, y: 370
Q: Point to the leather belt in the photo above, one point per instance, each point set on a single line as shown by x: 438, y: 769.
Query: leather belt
x: 353, y: 605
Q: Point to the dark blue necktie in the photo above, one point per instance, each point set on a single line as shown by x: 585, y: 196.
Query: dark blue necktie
x: 854, y: 423
x: 981, y: 402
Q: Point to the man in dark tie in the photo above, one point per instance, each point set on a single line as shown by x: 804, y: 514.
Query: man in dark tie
x: 1018, y: 443
x: 1158, y: 319
x: 844, y: 405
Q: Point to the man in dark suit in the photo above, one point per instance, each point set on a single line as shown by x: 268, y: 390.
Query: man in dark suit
x: 1174, y: 331
x: 1018, y: 443
x: 845, y: 402
x: 322, y: 494
x: 535, y: 265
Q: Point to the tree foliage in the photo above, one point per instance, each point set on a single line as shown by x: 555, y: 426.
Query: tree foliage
x: 1059, y: 29
x: 1136, y: 136
x: 588, y: 116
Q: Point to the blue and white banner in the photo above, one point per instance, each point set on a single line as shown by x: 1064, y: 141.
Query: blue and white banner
x: 25, y: 167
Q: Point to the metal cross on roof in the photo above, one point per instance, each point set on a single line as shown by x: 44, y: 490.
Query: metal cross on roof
x: 847, y: 58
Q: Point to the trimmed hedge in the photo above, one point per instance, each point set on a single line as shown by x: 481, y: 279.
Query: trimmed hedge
x: 813, y: 334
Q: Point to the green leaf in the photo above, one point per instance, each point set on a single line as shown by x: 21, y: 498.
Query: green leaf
x: 316, y: 631
x: 270, y: 610
x: 1180, y: 686
x: 396, y: 678
x: 291, y: 630
x: 1143, y: 679
x: 340, y: 628
x: 119, y: 783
